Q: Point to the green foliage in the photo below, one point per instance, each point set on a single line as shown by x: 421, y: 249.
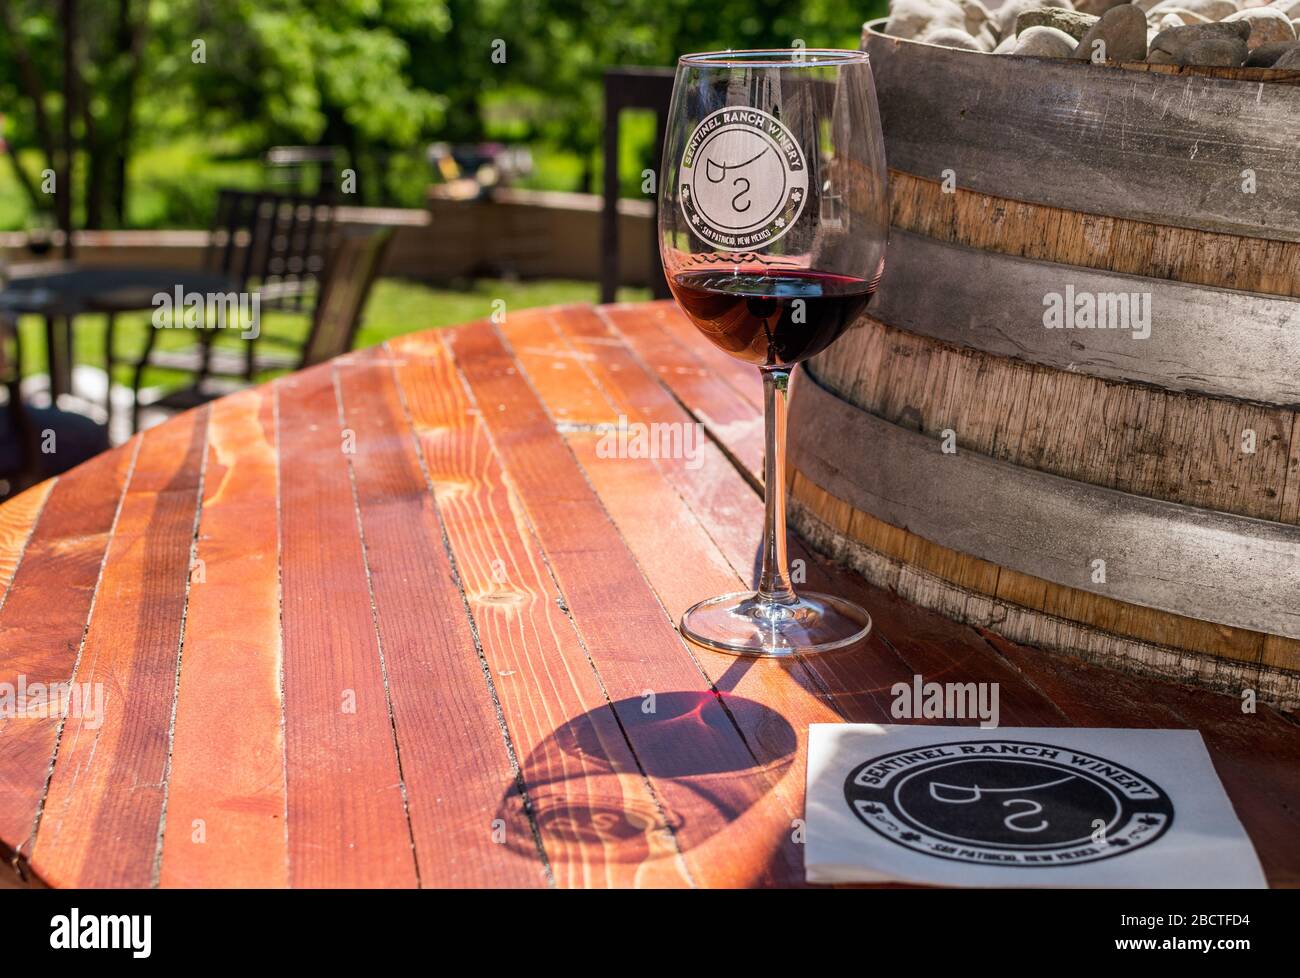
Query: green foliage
x: 185, y: 95
x: 560, y: 48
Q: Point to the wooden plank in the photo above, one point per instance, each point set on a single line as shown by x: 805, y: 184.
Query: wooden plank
x: 700, y: 767
x: 1172, y: 557
x: 1290, y: 496
x: 833, y: 689
x: 18, y: 518
x: 969, y: 572
x: 556, y: 370
x: 347, y: 819
x: 44, y: 620
x: 682, y: 497
x: 647, y: 499
x: 713, y: 401
x: 724, y: 502
x: 857, y: 680
x: 744, y: 378
x: 456, y: 767
x: 1014, y: 227
x: 974, y: 576
x: 773, y: 701
x: 1273, y: 76
x: 1181, y: 143
x: 226, y: 790
x: 597, y: 819
x: 887, y: 566
x: 1222, y: 343
x: 101, y: 819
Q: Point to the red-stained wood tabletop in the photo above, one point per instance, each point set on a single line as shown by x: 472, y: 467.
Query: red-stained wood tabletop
x: 398, y: 620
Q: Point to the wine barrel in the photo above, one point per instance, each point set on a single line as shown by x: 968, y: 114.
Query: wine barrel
x: 1071, y: 415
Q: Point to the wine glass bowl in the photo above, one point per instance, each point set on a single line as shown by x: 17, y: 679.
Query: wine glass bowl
x: 773, y: 222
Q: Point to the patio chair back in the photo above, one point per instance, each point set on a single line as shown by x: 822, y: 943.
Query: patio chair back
x: 275, y: 242
x: 354, y: 264
x: 288, y: 166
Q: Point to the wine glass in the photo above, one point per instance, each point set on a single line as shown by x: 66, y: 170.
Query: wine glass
x: 773, y: 221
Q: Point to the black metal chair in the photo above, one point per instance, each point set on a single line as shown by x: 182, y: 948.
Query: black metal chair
x: 354, y: 263
x: 270, y: 243
x: 354, y: 266
x: 631, y: 88
x: 37, y: 443
x: 15, y: 442
x: 288, y: 166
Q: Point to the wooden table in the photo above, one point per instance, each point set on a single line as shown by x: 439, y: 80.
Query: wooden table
x: 395, y: 620
x: 59, y: 291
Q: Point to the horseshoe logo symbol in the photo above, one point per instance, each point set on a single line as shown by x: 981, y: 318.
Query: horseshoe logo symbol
x: 1008, y: 802
x: 743, y: 179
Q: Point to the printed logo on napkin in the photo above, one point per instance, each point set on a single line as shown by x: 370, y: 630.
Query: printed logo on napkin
x: 1020, y: 807
x: 1010, y: 802
x: 744, y: 180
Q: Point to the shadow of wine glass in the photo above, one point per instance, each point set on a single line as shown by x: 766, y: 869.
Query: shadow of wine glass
x: 587, y: 788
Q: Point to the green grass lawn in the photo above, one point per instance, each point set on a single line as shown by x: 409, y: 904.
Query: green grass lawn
x: 396, y: 306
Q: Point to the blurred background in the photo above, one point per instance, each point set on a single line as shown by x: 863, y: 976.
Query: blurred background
x: 474, y: 129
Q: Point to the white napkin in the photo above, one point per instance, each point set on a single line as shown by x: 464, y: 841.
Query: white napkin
x: 1020, y: 806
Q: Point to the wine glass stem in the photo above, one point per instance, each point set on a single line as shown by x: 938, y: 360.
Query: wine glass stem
x: 774, y: 582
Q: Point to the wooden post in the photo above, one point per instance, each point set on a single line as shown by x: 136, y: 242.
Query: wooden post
x: 609, y: 210
x: 631, y: 88
x: 65, y: 192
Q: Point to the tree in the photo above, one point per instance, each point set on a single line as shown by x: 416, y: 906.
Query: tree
x: 561, y: 47
x: 376, y: 77
x: 250, y: 73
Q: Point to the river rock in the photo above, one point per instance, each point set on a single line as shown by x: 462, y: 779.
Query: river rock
x: 1072, y: 22
x: 1044, y: 42
x: 977, y: 18
x: 1162, y: 14
x: 1005, y: 16
x: 1096, y: 7
x: 952, y: 37
x: 1266, y: 55
x: 1007, y: 45
x: 1189, y: 16
x: 1123, y: 32
x: 909, y: 19
x: 1213, y: 45
x: 1208, y: 9
x: 1266, y: 24
x: 1289, y: 60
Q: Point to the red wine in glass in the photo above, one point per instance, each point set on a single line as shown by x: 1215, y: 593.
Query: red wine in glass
x: 770, y: 317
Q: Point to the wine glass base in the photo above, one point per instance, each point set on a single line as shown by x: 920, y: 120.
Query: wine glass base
x: 742, y: 624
